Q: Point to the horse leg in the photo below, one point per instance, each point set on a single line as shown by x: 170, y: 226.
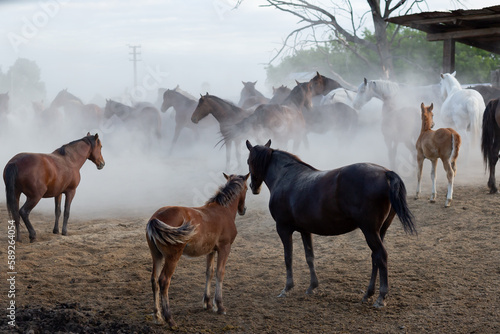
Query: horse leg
x: 169, y: 265
x: 209, y: 274
x: 57, y: 201
x: 67, y: 205
x: 177, y: 132
x: 433, y: 178
x: 25, y: 211
x: 492, y: 162
x: 392, y: 150
x: 237, y: 153
x: 287, y: 240
x: 155, y: 274
x: 16, y: 216
x: 222, y: 256
x: 308, y: 248
x: 420, y: 163
x: 450, y: 174
x: 379, y: 263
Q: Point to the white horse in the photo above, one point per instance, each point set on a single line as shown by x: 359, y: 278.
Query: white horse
x: 462, y: 109
x: 400, y: 117
x: 339, y: 95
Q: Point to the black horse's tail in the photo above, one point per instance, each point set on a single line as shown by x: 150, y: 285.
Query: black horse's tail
x: 397, y: 196
x: 10, y: 177
x: 161, y: 233
x: 490, y: 128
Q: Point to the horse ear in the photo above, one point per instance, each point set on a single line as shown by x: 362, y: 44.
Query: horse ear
x: 422, y: 106
x: 255, y: 82
x: 317, y: 73
x: 442, y: 76
x: 366, y: 81
x: 247, y: 176
x: 88, y: 134
x: 431, y: 107
x: 225, y: 175
x: 96, y: 136
x: 243, y: 82
x: 268, y: 144
x: 297, y: 81
x: 454, y: 73
x: 249, y: 146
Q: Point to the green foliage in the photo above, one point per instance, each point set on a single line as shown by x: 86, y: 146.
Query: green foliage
x: 24, y: 82
x: 416, y: 61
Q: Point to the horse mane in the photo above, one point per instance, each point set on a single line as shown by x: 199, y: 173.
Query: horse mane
x: 263, y: 157
x: 385, y: 88
x: 227, y: 193
x: 90, y: 140
x: 234, y: 107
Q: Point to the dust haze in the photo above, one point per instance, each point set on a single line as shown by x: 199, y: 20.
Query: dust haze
x: 141, y: 175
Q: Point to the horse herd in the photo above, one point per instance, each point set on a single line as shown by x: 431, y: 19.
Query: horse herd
x: 302, y: 198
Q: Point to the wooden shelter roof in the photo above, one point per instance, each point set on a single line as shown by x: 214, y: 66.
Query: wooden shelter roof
x: 479, y: 28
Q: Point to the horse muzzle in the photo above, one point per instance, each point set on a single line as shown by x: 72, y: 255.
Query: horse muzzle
x: 243, y: 211
x: 101, y: 165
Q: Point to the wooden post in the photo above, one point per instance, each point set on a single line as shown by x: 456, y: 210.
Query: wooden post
x: 495, y: 78
x: 448, y: 55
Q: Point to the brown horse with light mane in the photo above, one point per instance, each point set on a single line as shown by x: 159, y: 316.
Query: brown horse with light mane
x: 175, y: 230
x: 38, y: 176
x: 441, y: 144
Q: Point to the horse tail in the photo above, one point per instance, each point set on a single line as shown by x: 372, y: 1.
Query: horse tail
x: 161, y: 233
x: 474, y: 119
x: 397, y: 197
x: 456, y: 141
x: 10, y: 177
x: 490, y: 128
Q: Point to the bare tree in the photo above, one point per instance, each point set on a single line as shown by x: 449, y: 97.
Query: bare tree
x: 316, y: 17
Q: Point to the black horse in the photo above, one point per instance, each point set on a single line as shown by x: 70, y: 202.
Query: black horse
x: 490, y: 140
x: 334, y: 202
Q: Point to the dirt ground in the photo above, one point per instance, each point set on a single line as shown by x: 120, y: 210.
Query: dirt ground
x: 96, y: 279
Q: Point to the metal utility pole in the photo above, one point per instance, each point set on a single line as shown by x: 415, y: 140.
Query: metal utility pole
x: 135, y: 52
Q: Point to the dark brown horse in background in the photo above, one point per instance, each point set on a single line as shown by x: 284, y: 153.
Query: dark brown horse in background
x: 142, y: 117
x: 281, y: 122
x: 490, y: 140
x: 488, y: 92
x: 227, y: 114
x: 184, y: 108
x: 304, y: 199
x: 38, y: 176
x: 280, y: 94
x: 85, y: 115
x: 250, y: 96
x: 322, y: 85
x: 175, y: 230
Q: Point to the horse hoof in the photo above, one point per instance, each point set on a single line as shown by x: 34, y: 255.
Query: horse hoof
x: 432, y: 200
x: 32, y: 240
x: 55, y: 231
x: 447, y: 204
x: 379, y: 303
x: 282, y: 294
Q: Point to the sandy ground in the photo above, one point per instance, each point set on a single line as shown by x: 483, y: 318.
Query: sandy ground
x: 96, y: 279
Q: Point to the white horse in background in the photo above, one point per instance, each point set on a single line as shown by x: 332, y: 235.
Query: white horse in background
x: 462, y: 109
x: 339, y: 95
x: 400, y: 112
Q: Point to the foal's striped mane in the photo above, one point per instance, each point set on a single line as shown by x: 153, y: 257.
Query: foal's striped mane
x: 90, y: 140
x: 228, y: 192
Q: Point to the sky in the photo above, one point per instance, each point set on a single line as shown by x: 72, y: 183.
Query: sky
x: 202, y: 45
